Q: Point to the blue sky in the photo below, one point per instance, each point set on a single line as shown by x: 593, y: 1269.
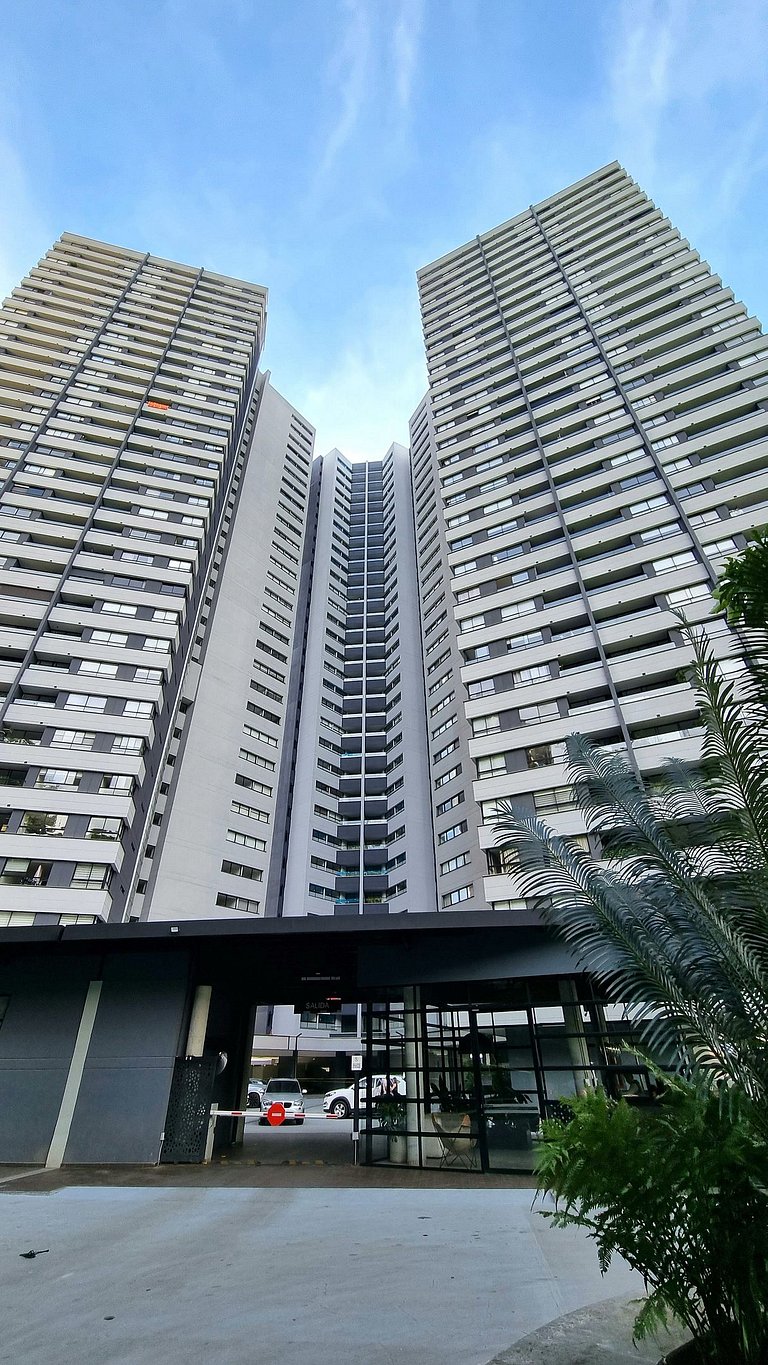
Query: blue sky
x: 328, y: 148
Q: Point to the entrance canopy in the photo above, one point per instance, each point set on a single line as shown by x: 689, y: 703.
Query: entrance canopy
x: 99, y: 1022
x: 293, y: 960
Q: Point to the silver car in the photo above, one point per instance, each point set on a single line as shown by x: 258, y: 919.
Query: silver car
x: 288, y: 1092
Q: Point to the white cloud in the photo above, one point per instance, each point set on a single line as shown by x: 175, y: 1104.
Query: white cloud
x: 406, y: 36
x: 349, y: 73
x: 364, y: 400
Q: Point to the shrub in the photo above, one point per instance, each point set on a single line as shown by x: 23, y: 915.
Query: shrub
x: 681, y: 1192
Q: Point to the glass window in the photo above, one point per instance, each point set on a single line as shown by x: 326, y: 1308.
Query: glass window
x: 42, y: 822
x: 104, y: 827
x: 90, y: 876
x: 57, y: 777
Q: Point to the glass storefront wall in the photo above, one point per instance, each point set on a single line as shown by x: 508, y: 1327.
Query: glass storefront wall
x: 469, y: 1082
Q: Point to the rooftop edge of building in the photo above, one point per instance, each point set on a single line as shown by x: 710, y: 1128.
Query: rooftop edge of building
x: 519, y: 217
x: 148, y: 257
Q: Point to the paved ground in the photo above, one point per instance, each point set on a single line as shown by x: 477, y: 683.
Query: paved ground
x: 349, y: 1276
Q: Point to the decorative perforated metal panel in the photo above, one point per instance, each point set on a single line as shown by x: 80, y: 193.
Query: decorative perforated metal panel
x: 188, y: 1109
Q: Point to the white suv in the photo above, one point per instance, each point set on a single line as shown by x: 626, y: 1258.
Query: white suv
x: 340, y: 1103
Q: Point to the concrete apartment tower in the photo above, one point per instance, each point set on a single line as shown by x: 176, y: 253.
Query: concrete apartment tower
x: 152, y: 510
x: 592, y: 446
x: 360, y: 835
x: 237, y: 684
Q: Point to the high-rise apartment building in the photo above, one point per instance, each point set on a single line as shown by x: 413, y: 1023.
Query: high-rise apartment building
x: 236, y: 683
x: 593, y: 445
x: 152, y: 511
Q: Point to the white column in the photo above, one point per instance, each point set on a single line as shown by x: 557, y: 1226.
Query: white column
x: 198, y: 1022
x: 74, y: 1077
x: 578, y: 1046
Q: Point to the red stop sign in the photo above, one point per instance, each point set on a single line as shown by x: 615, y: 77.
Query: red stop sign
x: 276, y: 1113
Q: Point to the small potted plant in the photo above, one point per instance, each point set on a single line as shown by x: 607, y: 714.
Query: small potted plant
x: 391, y: 1113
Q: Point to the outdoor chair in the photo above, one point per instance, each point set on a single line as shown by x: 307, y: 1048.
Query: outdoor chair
x: 458, y: 1143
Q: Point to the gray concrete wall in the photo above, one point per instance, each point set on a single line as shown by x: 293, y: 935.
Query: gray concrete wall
x: 119, y: 1112
x: 138, y: 1032
x: 37, y: 1037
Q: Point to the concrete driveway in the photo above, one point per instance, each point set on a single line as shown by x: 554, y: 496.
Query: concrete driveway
x: 328, y: 1276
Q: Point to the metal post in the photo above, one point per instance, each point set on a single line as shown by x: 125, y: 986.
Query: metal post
x: 414, y: 1047
x: 211, y: 1133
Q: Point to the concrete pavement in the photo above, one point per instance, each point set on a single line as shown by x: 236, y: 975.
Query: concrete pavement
x: 332, y: 1276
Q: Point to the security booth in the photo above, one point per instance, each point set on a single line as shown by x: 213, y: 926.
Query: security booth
x: 116, y: 1040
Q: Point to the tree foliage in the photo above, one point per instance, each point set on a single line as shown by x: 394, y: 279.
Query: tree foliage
x: 742, y: 591
x: 681, y: 1192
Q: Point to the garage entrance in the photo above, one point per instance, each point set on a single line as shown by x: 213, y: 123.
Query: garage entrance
x: 117, y: 1040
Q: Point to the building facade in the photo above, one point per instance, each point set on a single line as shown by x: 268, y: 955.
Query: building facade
x: 592, y: 447
x: 152, y: 514
x: 236, y: 682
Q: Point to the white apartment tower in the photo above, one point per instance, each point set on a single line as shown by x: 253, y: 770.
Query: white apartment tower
x: 592, y: 446
x: 235, y: 683
x: 152, y: 513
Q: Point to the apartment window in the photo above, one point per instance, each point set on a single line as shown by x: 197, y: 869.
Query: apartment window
x: 90, y: 876
x: 43, y: 822
x: 97, y: 668
x: 546, y: 710
x: 695, y: 593
x: 514, y: 609
x: 253, y: 874
x: 25, y: 872
x: 82, y: 701
x: 235, y: 836
x: 445, y: 751
x: 484, y: 687
x: 116, y: 783
x: 462, y: 893
x: 108, y: 637
x: 252, y: 785
x: 452, y: 864
x: 450, y: 803
x: 672, y: 528
x: 138, y: 708
x: 647, y: 505
x: 554, y: 800
x: 544, y: 755
x: 486, y: 725
x: 453, y: 832
x: 251, y: 812
x: 721, y: 547
x: 536, y: 673
x: 534, y: 637
x: 227, y: 902
x: 439, y: 706
x: 127, y: 744
x: 104, y: 827
x: 57, y: 777
x: 490, y: 765
x: 445, y: 778
x: 677, y: 561
x: 72, y: 739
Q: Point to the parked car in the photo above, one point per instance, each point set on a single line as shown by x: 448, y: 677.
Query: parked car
x: 255, y: 1091
x: 287, y: 1091
x: 340, y: 1102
